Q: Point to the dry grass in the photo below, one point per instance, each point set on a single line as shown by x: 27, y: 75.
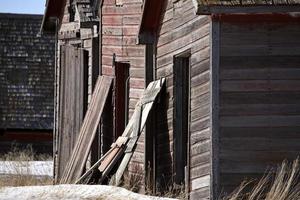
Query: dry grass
x: 134, y: 180
x: 24, y: 180
x: 174, y: 191
x: 23, y: 154
x: 22, y: 177
x: 281, y: 185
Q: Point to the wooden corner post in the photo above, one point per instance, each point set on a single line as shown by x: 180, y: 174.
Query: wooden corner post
x: 214, y: 108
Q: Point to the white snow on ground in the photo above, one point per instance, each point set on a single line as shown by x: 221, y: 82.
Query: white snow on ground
x: 74, y: 192
x: 36, y: 168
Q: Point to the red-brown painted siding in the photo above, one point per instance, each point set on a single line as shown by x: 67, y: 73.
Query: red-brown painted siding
x: 119, y: 31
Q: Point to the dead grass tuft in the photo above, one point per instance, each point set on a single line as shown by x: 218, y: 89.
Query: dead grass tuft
x: 23, y: 154
x: 174, y: 191
x: 24, y: 180
x: 281, y: 185
x: 133, y: 180
x: 21, y: 168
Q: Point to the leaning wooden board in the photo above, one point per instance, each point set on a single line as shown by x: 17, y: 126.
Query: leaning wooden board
x: 127, y: 141
x: 138, y: 121
x: 87, y: 133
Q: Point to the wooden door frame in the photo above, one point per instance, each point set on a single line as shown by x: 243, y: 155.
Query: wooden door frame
x: 179, y: 60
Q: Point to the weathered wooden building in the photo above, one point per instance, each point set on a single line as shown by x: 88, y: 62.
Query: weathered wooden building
x: 26, y: 83
x: 230, y: 107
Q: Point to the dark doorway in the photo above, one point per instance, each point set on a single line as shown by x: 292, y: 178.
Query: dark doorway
x: 150, y: 136
x: 181, y: 116
x: 120, y: 98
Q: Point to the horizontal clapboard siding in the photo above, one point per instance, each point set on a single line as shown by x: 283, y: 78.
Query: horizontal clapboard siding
x: 119, y: 31
x: 259, y: 97
x: 181, y: 30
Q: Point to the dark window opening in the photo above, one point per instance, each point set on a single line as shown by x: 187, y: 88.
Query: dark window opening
x: 181, y: 115
x: 120, y: 98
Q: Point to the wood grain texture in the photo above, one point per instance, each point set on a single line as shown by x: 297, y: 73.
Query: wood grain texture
x: 77, y: 160
x: 72, y: 102
x: 259, y: 95
x: 119, y: 31
x: 182, y: 31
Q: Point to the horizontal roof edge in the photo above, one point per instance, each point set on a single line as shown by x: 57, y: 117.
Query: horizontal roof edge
x: 20, y: 15
x: 247, y: 9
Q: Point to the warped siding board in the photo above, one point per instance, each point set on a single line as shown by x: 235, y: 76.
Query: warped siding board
x: 266, y: 62
x: 72, y: 102
x: 256, y: 132
x: 182, y: 30
x: 287, y: 74
x: 259, y: 95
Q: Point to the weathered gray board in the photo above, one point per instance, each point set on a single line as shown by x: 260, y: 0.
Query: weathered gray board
x: 72, y: 102
x: 87, y: 133
x: 259, y: 98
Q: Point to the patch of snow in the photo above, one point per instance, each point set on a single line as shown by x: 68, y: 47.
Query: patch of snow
x: 74, y: 192
x: 36, y: 168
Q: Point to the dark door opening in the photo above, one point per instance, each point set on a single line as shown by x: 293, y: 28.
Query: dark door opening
x: 120, y: 98
x: 150, y: 136
x: 181, y: 116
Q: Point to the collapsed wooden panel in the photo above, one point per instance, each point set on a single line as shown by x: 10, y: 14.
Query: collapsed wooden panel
x: 87, y: 133
x: 72, y: 102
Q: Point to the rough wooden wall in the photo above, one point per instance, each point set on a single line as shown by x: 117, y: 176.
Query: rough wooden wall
x: 119, y: 31
x: 78, y: 66
x: 259, y: 98
x: 181, y: 30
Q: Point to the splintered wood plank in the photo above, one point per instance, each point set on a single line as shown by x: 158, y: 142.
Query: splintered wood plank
x: 78, y: 158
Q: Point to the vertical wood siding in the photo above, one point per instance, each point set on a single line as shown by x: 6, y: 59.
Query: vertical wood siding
x: 72, y: 102
x: 259, y: 95
x: 181, y: 30
x: 119, y: 31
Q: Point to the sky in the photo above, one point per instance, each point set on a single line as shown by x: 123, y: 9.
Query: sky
x: 22, y: 6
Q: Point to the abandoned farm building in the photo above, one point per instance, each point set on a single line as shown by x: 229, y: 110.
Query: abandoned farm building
x: 26, y: 83
x: 225, y: 103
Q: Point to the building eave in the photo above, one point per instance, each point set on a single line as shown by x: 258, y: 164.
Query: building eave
x: 246, y: 9
x: 53, y: 12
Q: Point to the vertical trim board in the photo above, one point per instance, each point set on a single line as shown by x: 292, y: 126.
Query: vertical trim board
x: 214, y: 108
